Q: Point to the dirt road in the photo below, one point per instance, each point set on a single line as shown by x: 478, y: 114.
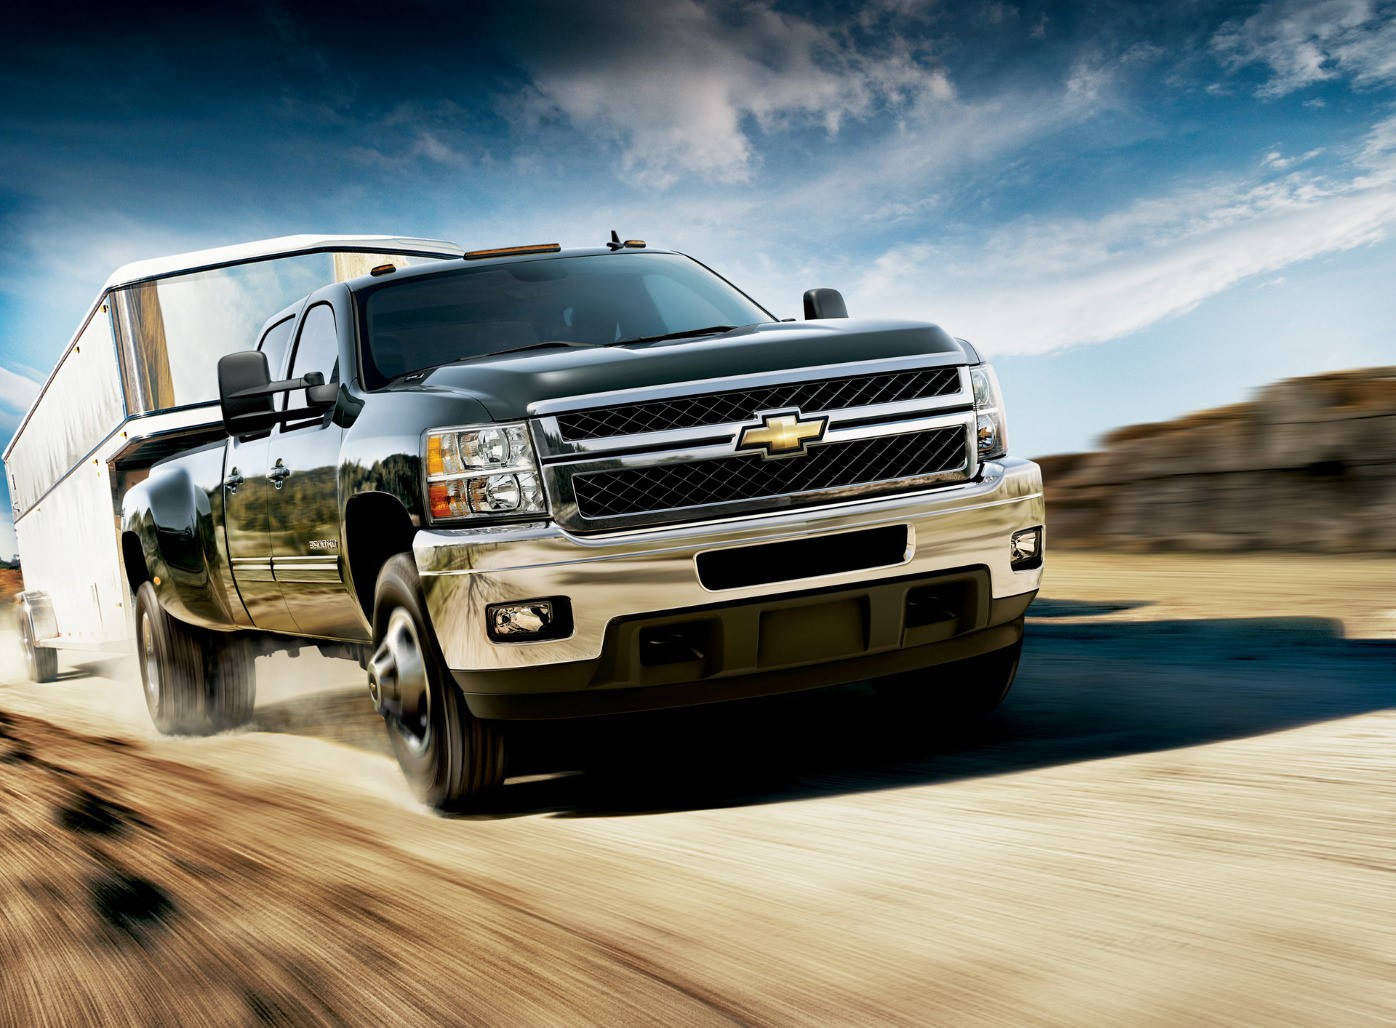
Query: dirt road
x: 1186, y: 812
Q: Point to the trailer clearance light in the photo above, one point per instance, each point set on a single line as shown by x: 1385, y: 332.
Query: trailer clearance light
x: 513, y: 251
x: 990, y: 422
x: 489, y: 471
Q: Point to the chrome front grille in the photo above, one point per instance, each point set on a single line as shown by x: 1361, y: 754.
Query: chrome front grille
x: 673, y: 454
x: 657, y: 488
x: 730, y: 405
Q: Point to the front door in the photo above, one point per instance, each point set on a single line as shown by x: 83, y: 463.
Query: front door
x: 246, y: 507
x: 307, y: 551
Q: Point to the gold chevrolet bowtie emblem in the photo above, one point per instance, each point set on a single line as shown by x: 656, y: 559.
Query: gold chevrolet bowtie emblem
x: 782, y: 435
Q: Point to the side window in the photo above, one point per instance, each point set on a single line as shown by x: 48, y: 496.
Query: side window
x: 317, y: 349
x: 275, y: 344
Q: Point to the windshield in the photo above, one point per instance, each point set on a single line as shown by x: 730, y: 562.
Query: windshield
x: 594, y: 300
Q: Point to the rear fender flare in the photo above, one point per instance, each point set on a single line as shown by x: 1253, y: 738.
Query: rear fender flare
x: 172, y: 518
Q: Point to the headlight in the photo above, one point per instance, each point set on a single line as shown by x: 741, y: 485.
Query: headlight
x: 992, y: 424
x: 482, y: 472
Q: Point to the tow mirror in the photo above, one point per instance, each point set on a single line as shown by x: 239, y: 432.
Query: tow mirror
x: 246, y: 393
x: 824, y: 303
x: 242, y: 381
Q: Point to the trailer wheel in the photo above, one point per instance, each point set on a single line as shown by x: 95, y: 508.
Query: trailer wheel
x: 172, y: 668
x: 42, y: 661
x: 448, y: 755
x: 955, y: 694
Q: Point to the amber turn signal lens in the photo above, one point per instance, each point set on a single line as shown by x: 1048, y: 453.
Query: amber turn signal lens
x: 514, y: 251
x: 436, y: 462
x: 439, y: 497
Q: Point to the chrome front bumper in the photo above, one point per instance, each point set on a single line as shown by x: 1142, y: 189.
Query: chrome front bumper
x: 615, y: 576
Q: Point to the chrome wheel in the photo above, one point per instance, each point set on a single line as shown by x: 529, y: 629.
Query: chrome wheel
x: 151, y: 664
x: 397, y: 680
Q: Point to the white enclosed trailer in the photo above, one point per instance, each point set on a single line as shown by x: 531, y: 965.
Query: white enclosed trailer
x: 136, y: 383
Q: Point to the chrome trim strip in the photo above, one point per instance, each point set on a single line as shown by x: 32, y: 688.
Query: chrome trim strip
x: 728, y: 448
x: 307, y: 568
x: 252, y: 569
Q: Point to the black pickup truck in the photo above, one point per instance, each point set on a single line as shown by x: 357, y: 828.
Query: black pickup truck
x: 538, y: 483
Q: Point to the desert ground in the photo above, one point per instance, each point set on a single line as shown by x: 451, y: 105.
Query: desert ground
x: 1184, y: 813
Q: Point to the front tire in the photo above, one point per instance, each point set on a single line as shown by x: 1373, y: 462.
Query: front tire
x: 195, y: 682
x: 447, y: 754
x: 230, y: 673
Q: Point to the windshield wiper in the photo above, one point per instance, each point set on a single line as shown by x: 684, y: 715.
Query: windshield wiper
x: 711, y: 330
x: 539, y: 346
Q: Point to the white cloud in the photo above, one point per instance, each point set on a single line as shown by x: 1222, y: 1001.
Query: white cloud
x: 17, y: 392
x: 684, y: 88
x: 1041, y: 285
x: 1302, y: 43
x: 1276, y: 159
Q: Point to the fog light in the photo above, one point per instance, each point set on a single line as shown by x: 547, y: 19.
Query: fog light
x: 521, y: 618
x: 1025, y: 549
x: 526, y: 620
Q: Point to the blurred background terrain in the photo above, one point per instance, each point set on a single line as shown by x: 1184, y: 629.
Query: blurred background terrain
x: 1307, y: 465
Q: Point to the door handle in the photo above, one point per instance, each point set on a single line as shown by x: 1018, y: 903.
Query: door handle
x: 234, y: 480
x: 279, y: 473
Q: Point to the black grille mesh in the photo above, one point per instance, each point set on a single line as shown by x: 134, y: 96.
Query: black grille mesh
x: 743, y: 404
x: 660, y: 487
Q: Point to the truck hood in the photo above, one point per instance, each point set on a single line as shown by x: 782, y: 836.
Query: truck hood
x: 505, y: 384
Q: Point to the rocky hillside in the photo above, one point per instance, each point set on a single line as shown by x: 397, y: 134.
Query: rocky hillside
x: 1308, y: 464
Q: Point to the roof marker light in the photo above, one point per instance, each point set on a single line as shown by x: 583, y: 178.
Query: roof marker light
x: 514, y: 251
x: 384, y: 269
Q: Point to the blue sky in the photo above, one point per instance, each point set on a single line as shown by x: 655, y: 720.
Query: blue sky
x: 1135, y: 211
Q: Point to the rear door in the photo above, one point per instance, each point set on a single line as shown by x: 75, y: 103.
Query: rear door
x: 246, y: 507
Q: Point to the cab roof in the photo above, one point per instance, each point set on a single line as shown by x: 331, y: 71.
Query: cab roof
x: 448, y: 266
